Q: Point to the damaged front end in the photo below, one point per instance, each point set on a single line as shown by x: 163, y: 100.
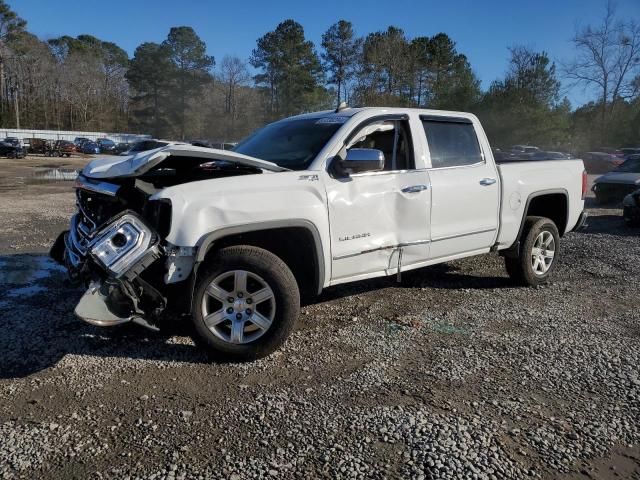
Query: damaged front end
x: 108, y: 249
x: 116, y: 244
x: 110, y: 260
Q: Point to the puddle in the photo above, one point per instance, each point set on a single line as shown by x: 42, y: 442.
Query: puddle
x: 27, y: 291
x: 54, y: 175
x: 25, y: 269
x: 446, y: 328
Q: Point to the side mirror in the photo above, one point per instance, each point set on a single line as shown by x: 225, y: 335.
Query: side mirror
x: 362, y: 160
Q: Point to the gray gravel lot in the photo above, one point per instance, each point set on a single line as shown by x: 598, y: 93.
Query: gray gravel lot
x: 454, y: 373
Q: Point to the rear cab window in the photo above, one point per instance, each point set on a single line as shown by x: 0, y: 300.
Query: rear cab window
x: 452, y: 142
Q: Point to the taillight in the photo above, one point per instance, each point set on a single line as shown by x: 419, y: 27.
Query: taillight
x: 584, y: 184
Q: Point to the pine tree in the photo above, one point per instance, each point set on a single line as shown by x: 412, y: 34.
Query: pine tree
x: 191, y: 71
x: 291, y: 71
x: 341, y: 50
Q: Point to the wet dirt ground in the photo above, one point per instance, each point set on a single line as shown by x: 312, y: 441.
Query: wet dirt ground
x: 453, y: 373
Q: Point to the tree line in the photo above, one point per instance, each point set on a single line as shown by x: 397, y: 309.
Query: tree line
x: 174, y: 89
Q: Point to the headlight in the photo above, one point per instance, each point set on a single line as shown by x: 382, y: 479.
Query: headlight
x: 122, y: 244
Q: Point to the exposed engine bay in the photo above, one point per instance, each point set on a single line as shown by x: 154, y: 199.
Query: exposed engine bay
x: 116, y: 247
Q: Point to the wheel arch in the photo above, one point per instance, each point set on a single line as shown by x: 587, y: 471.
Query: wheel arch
x: 288, y: 239
x: 541, y: 203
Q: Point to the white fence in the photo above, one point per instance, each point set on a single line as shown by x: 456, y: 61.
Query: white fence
x: 69, y: 135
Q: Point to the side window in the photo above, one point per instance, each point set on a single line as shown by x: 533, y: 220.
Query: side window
x: 452, y: 144
x: 392, y: 138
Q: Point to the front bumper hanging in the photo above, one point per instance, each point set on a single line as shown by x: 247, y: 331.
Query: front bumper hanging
x: 110, y: 260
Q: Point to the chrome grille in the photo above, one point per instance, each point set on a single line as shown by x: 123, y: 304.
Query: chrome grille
x: 76, y: 241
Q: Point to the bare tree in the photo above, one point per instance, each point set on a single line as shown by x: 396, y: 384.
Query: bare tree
x: 233, y: 74
x: 607, y: 61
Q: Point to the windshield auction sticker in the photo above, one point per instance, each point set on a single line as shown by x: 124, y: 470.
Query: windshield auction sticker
x: 335, y: 119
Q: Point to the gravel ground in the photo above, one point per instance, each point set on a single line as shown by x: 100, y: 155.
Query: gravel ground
x: 454, y: 373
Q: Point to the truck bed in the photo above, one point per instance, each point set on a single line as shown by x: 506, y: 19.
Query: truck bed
x: 521, y: 181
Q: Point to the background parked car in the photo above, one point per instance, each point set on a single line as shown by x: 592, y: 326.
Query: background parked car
x: 121, y: 147
x: 616, y: 152
x: 80, y: 140
x: 615, y: 185
x: 600, y: 162
x: 545, y: 155
x: 144, y: 145
x: 106, y: 145
x: 64, y: 148
x: 630, y: 151
x: 89, y: 147
x: 526, y: 150
x: 218, y: 145
x: 11, y: 151
x: 15, y: 141
x: 40, y: 146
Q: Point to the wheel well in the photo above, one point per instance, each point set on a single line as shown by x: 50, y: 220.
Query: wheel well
x: 551, y: 205
x: 294, y: 245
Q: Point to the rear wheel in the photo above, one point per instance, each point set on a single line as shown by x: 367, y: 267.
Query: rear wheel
x: 538, y: 252
x: 245, y: 305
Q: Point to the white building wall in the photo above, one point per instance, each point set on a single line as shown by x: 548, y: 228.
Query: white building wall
x: 69, y: 135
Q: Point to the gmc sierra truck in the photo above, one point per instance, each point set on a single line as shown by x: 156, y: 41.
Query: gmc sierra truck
x: 233, y: 240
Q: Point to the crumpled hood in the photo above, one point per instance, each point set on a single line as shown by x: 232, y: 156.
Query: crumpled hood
x: 619, y: 177
x: 134, y: 165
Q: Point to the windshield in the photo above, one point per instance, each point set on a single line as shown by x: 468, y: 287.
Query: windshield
x: 632, y: 165
x: 291, y: 144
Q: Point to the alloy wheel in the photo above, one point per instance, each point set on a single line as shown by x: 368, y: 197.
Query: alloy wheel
x: 543, y: 253
x: 238, y: 306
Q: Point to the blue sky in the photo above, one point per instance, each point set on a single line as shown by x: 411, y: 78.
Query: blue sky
x: 482, y: 29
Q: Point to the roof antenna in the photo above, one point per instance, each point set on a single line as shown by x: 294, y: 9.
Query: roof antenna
x: 342, y: 106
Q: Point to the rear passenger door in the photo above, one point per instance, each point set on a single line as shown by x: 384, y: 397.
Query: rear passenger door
x: 465, y: 196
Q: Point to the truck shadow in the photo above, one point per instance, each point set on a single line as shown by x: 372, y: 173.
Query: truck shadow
x: 40, y: 329
x: 441, y: 276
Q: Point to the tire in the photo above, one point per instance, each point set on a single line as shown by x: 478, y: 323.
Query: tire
x: 537, y: 230
x: 629, y: 219
x: 222, y: 282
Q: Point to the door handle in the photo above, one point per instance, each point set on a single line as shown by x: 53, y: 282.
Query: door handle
x: 485, y: 182
x: 414, y: 188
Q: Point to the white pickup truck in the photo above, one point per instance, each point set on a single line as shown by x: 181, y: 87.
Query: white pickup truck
x: 234, y: 239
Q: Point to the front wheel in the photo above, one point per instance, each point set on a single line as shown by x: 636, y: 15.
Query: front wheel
x: 538, y: 252
x: 245, y: 305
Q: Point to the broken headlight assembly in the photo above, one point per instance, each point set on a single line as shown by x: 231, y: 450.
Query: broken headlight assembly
x: 124, y: 244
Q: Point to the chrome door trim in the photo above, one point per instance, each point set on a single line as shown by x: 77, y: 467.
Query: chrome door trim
x: 471, y: 165
x: 476, y: 232
x: 387, y: 172
x: 399, y: 245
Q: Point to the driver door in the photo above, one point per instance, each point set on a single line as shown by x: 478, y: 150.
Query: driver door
x: 380, y: 218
